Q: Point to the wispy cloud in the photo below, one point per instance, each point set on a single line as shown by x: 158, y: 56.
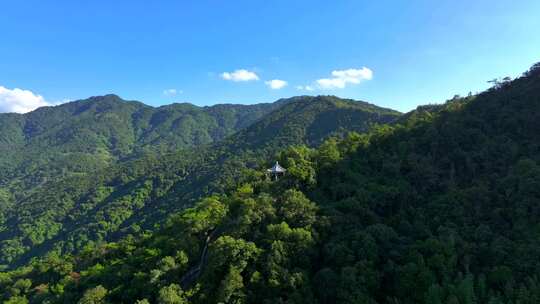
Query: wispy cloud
x: 305, y: 88
x: 20, y: 101
x: 276, y: 84
x: 341, y: 78
x: 240, y: 75
x: 172, y: 92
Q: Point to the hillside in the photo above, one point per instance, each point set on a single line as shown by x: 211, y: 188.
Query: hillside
x: 442, y: 208
x: 86, y: 135
x: 67, y: 214
x: 309, y: 120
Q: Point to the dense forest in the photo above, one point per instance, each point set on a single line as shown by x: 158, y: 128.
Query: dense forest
x: 87, y: 135
x: 136, y: 193
x: 441, y: 206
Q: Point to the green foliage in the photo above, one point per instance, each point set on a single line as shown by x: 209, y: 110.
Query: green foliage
x: 16, y: 300
x: 439, y: 208
x: 171, y: 294
x: 94, y: 295
x: 296, y: 209
x: 138, y: 185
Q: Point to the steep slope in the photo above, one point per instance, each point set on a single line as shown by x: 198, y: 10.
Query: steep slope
x: 443, y: 208
x: 311, y: 119
x: 86, y: 135
x: 67, y: 214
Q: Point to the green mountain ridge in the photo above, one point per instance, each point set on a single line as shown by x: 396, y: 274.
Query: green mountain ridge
x: 137, y: 193
x: 439, y: 208
x: 85, y: 135
x: 323, y: 115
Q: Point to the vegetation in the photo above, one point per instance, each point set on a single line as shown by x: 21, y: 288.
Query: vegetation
x: 440, y: 208
x: 87, y: 135
x: 132, y: 196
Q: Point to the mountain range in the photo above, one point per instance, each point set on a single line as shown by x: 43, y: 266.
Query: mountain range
x: 438, y: 205
x: 84, y: 135
x: 111, y: 151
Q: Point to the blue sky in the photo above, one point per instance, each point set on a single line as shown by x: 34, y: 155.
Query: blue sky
x: 396, y: 54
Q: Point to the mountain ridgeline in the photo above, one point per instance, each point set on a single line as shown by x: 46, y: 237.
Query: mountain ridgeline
x: 129, y: 192
x: 85, y: 135
x: 439, y: 207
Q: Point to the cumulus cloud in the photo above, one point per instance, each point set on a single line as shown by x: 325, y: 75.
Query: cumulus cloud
x: 305, y: 88
x: 276, y: 84
x: 340, y: 78
x: 20, y: 101
x: 240, y: 75
x: 172, y: 92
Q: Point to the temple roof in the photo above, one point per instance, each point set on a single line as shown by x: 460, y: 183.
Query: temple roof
x: 276, y: 169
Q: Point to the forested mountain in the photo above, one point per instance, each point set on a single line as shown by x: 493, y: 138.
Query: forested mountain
x: 309, y: 120
x: 440, y: 208
x: 85, y: 135
x: 132, y: 196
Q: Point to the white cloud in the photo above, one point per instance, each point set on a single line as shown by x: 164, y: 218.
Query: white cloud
x: 305, y: 88
x: 20, y: 101
x: 340, y: 78
x: 240, y: 75
x: 172, y: 92
x: 276, y: 84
